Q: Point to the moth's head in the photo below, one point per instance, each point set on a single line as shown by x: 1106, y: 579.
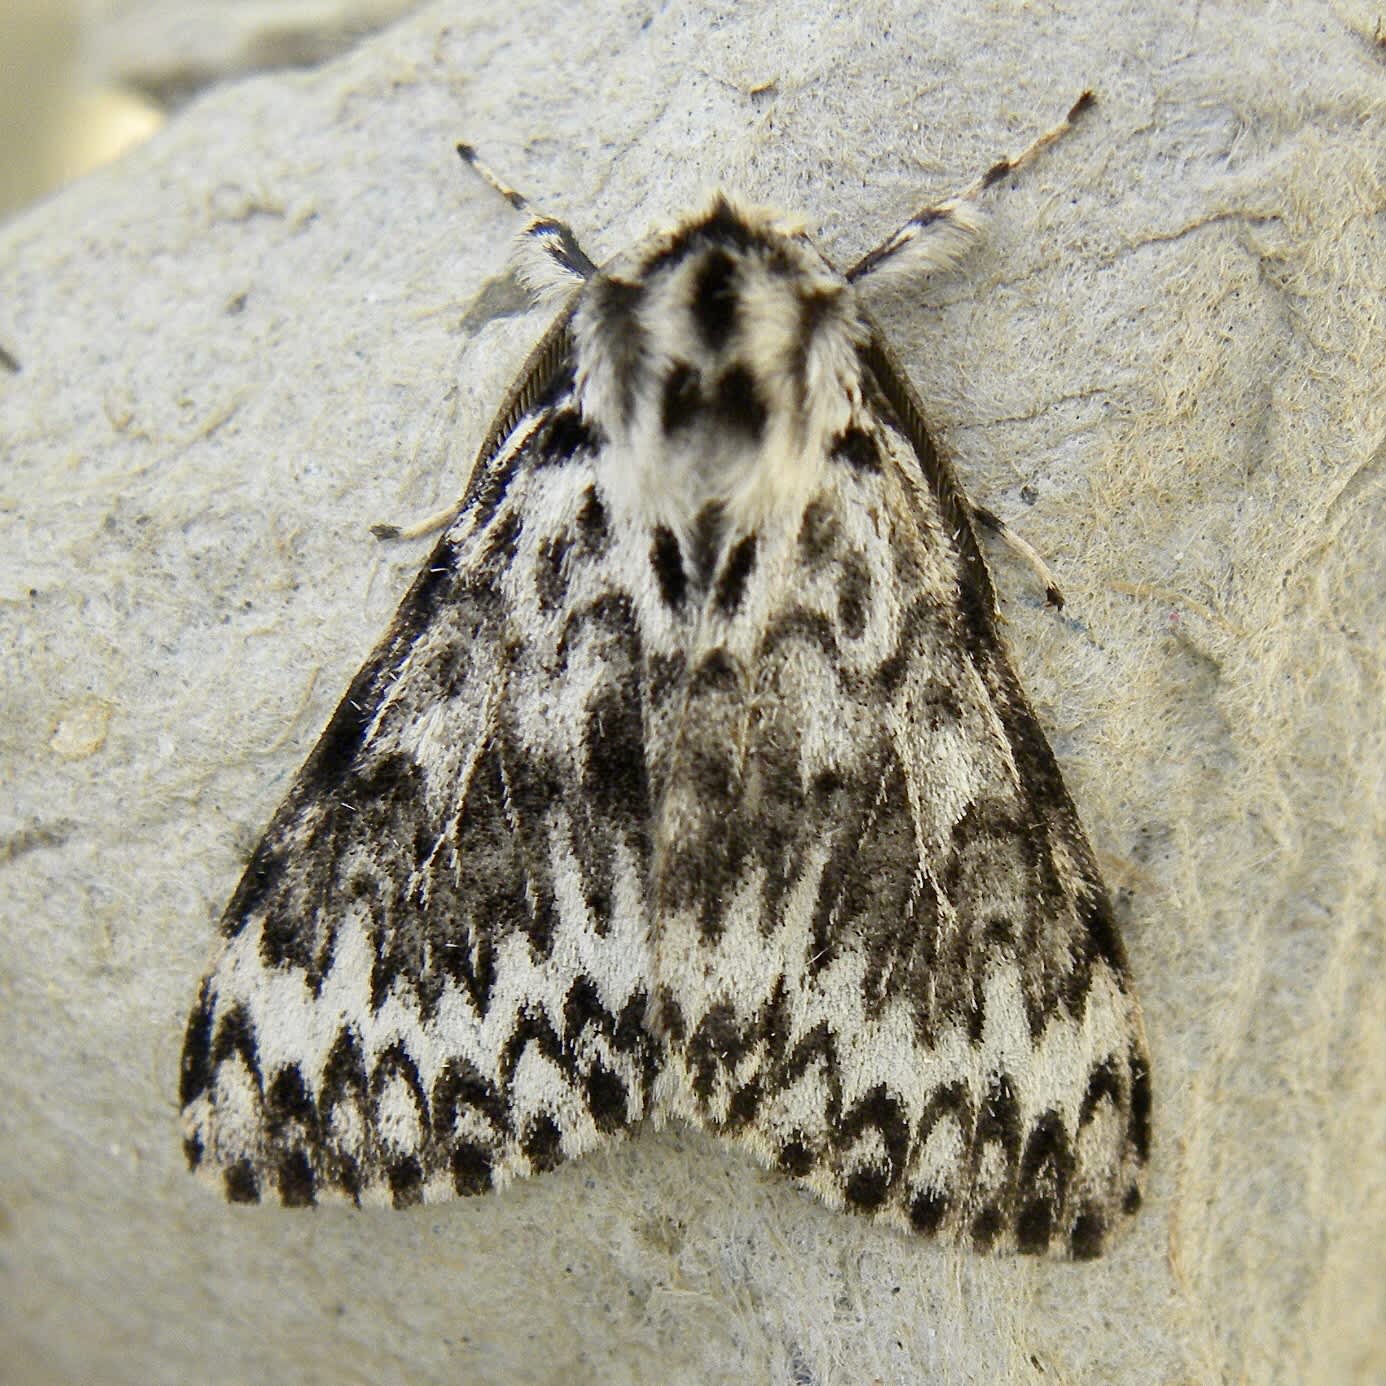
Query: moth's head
x: 727, y: 335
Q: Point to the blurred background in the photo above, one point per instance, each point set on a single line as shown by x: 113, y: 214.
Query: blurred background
x: 56, y: 123
x: 81, y: 81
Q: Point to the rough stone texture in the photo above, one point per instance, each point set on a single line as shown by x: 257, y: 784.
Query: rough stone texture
x: 173, y: 49
x: 288, y: 317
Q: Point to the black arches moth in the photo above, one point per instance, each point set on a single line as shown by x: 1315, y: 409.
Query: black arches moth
x: 690, y: 781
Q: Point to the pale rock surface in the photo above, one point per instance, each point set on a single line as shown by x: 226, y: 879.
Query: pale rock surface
x: 289, y: 317
x: 173, y: 49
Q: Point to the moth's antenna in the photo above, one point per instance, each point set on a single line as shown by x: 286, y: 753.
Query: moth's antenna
x: 1002, y: 168
x: 467, y: 153
x: 936, y: 237
x: 549, y: 262
x: 989, y: 519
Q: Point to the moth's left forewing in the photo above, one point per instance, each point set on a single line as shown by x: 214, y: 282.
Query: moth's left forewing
x: 885, y: 957
x: 434, y: 974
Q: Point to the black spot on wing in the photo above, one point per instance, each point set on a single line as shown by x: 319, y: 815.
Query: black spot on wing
x: 667, y: 562
x: 819, y: 533
x: 1103, y: 1086
x: 857, y: 448
x: 551, y: 571
x: 582, y: 1011
x: 709, y: 530
x: 1034, y: 1225
x: 542, y: 1143
x: 564, y: 436
x: 671, y: 1022
x: 826, y: 784
x: 866, y: 1187
x: 928, y: 1208
x: 471, y: 1168
x: 592, y: 522
x: 295, y: 1180
x: 614, y: 776
x: 288, y: 1105
x: 1139, y: 1131
x: 606, y: 1096
x: 196, y: 1069
x: 1046, y: 1169
x: 853, y: 595
x: 744, y: 1104
x: 405, y: 1177
x: 881, y: 1112
x: 235, y: 1034
x: 731, y: 584
x: 987, y: 1223
x: 241, y: 1182
x: 1089, y: 1231
x: 998, y: 1121
x: 714, y: 1048
x: 716, y: 673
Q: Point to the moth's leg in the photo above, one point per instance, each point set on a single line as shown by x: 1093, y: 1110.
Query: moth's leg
x: 989, y: 519
x: 549, y: 262
x: 430, y: 524
x: 935, y: 237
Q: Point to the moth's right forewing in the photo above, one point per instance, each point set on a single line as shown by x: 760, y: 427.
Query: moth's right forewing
x: 432, y: 977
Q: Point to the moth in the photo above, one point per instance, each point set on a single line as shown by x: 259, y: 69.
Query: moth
x: 691, y: 781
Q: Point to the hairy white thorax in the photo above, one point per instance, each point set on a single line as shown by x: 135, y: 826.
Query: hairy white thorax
x: 719, y: 359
